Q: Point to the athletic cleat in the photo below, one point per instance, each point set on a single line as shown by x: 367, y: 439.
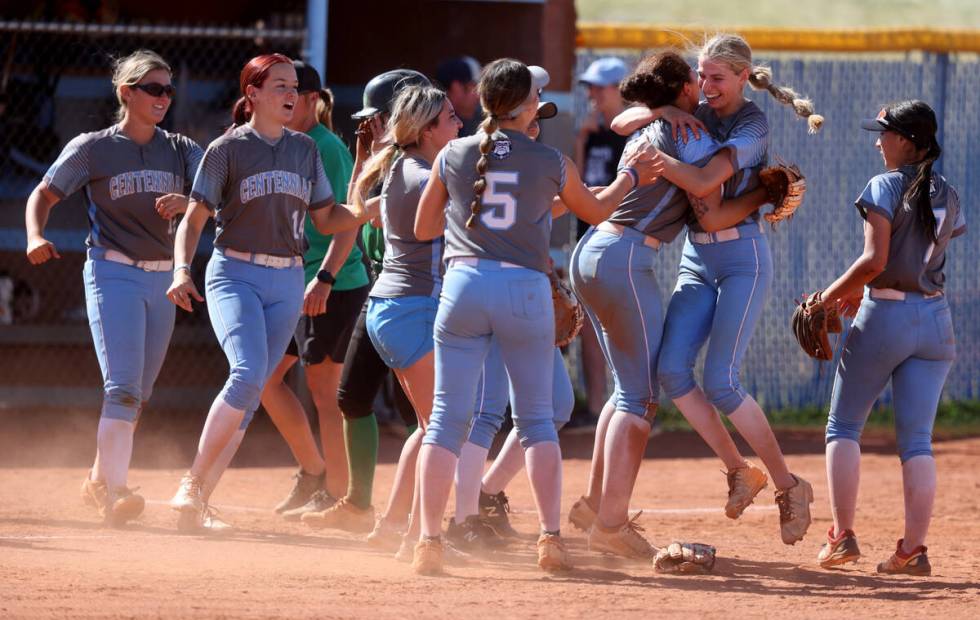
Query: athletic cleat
x: 342, y: 516
x: 306, y: 485
x: 385, y: 536
x: 915, y: 563
x: 582, y: 515
x: 213, y: 524
x: 794, y: 510
x: 840, y: 550
x: 95, y: 494
x: 427, y: 557
x: 744, y: 483
x: 406, y: 549
x: 473, y: 534
x: 494, y: 510
x: 625, y: 541
x: 552, y: 555
x: 319, y: 501
x: 189, y: 503
x: 126, y: 506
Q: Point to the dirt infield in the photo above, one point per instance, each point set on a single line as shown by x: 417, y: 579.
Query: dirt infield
x: 56, y: 561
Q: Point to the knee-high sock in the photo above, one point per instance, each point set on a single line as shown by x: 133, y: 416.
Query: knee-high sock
x: 919, y: 480
x: 361, y: 435
x: 505, y: 467
x: 544, y: 471
x: 115, y: 441
x: 469, y: 472
x: 217, y: 470
x: 219, y: 429
x: 843, y: 479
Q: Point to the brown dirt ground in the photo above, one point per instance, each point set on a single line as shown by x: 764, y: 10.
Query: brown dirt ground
x: 56, y: 561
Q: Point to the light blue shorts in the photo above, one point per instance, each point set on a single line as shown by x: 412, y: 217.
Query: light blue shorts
x: 401, y: 328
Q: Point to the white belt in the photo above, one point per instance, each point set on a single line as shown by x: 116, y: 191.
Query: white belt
x: 618, y: 229
x: 727, y: 234
x: 892, y: 294
x: 146, y: 265
x: 265, y: 260
x: 475, y: 262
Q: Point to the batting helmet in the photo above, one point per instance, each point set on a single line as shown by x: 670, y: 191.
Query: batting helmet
x: 381, y: 90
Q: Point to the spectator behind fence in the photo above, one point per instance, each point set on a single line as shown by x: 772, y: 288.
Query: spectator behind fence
x: 458, y: 76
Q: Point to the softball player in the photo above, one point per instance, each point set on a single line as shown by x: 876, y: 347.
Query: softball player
x: 481, y: 505
x: 724, y: 279
x: 903, y: 331
x: 402, y: 304
x: 258, y: 181
x: 135, y: 177
x: 500, y: 186
x: 337, y: 286
x: 613, y: 274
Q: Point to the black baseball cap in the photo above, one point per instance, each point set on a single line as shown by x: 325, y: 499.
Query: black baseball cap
x: 380, y: 92
x: 914, y: 120
x: 309, y: 79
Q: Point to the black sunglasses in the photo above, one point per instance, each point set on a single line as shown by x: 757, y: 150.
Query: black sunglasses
x: 155, y: 89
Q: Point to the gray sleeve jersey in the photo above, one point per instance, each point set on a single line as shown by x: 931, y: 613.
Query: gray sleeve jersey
x: 411, y: 267
x: 661, y: 208
x: 746, y: 136
x: 122, y: 180
x: 514, y: 224
x: 915, y: 263
x: 260, y: 192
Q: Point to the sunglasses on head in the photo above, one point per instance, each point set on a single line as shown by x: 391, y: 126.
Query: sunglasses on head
x: 155, y: 89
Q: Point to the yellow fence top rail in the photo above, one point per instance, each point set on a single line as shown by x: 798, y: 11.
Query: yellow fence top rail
x: 630, y: 36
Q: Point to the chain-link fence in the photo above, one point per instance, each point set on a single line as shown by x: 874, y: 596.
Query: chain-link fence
x: 826, y: 234
x: 55, y: 84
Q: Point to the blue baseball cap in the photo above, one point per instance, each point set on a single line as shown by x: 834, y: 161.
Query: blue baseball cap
x: 608, y: 71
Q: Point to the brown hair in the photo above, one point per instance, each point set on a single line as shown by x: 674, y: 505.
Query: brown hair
x: 324, y: 108
x: 504, y: 85
x: 734, y: 51
x: 657, y: 80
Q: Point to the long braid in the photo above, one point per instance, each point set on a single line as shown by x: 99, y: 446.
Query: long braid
x: 917, y: 194
x: 760, y: 78
x: 489, y: 127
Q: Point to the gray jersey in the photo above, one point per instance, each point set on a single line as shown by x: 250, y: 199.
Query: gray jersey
x: 514, y: 224
x: 915, y: 263
x: 122, y: 180
x: 411, y: 267
x: 660, y: 209
x: 260, y: 192
x: 746, y: 135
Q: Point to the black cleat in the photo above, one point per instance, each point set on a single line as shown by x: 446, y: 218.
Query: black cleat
x: 493, y: 510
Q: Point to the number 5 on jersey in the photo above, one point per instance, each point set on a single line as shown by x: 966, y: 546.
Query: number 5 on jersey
x: 503, y: 214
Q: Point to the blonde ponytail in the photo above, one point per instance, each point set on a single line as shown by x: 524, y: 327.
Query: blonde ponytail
x: 374, y: 172
x: 760, y: 78
x: 489, y: 127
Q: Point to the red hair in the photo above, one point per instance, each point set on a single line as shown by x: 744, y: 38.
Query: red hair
x: 254, y: 73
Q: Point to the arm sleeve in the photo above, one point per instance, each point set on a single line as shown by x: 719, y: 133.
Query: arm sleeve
x: 70, y: 172
x: 749, y: 142
x: 562, y: 173
x: 697, y: 151
x: 882, y: 194
x: 321, y: 195
x: 193, y: 154
x: 211, y: 177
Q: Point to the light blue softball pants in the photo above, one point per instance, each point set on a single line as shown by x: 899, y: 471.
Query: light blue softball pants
x: 254, y: 311
x: 720, y: 294
x: 613, y: 275
x: 909, y: 342
x: 480, y: 303
x: 131, y: 321
x: 493, y: 392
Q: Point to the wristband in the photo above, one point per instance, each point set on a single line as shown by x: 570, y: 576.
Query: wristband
x: 632, y: 173
x: 184, y: 267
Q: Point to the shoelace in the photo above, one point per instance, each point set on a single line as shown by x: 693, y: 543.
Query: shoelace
x: 193, y: 484
x: 785, y: 507
x: 502, y: 502
x: 634, y: 528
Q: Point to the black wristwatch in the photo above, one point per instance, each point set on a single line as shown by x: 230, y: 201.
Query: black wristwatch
x: 326, y: 277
